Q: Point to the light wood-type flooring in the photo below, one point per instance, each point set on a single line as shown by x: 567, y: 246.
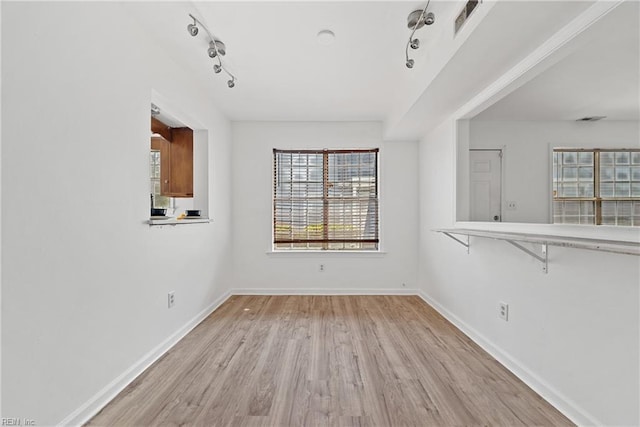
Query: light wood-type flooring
x: 327, y: 360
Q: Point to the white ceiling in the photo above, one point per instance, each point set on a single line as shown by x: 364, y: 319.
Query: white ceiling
x: 600, y: 79
x: 284, y: 74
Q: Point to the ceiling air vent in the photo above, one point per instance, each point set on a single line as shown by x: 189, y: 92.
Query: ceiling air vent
x: 591, y: 119
x: 464, y: 14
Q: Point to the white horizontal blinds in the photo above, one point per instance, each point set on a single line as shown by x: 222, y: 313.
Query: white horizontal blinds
x: 298, y: 200
x: 352, y: 200
x: 596, y: 187
x: 326, y: 199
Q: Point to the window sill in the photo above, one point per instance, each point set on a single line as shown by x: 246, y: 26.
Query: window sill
x: 173, y: 221
x: 328, y: 254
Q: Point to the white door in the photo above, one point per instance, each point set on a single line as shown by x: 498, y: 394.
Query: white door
x: 485, y: 188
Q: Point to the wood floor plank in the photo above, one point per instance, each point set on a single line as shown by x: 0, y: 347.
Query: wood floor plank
x: 327, y: 361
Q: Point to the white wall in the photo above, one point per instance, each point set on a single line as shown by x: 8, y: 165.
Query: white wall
x: 527, y: 159
x: 84, y: 291
x: 572, y: 333
x: 254, y: 268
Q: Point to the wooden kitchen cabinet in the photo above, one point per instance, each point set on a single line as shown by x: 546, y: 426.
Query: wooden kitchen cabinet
x: 176, y: 162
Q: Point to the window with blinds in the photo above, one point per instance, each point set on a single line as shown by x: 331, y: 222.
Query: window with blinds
x: 325, y: 199
x: 596, y: 186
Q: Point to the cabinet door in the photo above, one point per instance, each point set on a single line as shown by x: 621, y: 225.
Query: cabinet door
x: 181, y: 158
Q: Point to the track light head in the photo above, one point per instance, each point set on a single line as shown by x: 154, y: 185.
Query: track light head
x: 217, y: 68
x: 410, y: 63
x: 212, y: 50
x: 231, y: 83
x: 415, y: 43
x: 430, y: 18
x: 216, y: 48
x: 193, y: 29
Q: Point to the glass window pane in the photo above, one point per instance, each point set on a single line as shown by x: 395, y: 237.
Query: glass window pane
x: 585, y: 158
x: 606, y: 189
x: 635, y: 158
x: 635, y: 173
x: 622, y: 158
x: 571, y: 208
x: 623, y: 208
x: 622, y: 189
x: 606, y: 174
x: 587, y: 208
x: 609, y: 209
x: 569, y: 158
x: 569, y: 190
x: 606, y: 158
x: 587, y: 213
x: 585, y: 189
x: 624, y: 221
x: 585, y: 173
x: 635, y: 212
x: 622, y: 173
x: 570, y: 174
x: 635, y: 189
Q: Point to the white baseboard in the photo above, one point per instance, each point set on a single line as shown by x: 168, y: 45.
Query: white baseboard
x: 320, y: 291
x: 84, y: 413
x: 567, y: 407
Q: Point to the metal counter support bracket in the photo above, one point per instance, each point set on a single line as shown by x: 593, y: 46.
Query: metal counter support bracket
x: 463, y: 243
x: 616, y: 246
x: 544, y: 259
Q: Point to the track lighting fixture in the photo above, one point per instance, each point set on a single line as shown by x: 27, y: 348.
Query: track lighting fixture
x: 416, y: 20
x: 216, y: 49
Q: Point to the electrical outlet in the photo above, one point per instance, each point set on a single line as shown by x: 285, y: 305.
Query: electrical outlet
x: 511, y: 205
x: 503, y: 311
x: 171, y: 299
x: 321, y: 267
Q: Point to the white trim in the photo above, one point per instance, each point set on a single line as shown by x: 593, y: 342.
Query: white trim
x: 319, y: 291
x: 559, y: 401
x: 85, y: 412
